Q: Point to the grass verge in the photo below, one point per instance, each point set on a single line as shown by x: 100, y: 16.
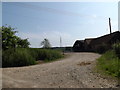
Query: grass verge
x: 109, y: 64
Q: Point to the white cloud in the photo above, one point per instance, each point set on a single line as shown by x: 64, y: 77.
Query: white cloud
x: 94, y: 16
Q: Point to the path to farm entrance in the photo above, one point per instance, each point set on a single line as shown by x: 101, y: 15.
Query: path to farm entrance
x: 75, y: 71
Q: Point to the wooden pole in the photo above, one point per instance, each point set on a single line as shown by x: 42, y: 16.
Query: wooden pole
x: 110, y: 26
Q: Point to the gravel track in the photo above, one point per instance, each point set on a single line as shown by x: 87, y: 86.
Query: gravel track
x: 75, y: 71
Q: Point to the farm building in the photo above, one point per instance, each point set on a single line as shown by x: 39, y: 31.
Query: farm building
x: 100, y: 43
x: 79, y: 46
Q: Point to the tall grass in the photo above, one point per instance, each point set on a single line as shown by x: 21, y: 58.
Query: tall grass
x: 0, y: 58
x: 109, y: 64
x: 16, y: 58
x: 28, y: 56
x: 45, y: 54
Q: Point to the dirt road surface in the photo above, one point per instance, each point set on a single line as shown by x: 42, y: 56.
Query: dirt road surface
x: 75, y: 71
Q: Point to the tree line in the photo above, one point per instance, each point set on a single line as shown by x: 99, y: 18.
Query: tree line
x: 10, y: 40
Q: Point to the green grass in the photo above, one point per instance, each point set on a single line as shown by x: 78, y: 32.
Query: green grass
x: 16, y: 58
x: 116, y: 47
x: 45, y: 54
x: 109, y: 64
x: 28, y: 56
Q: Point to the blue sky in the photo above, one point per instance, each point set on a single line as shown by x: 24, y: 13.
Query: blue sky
x: 70, y: 20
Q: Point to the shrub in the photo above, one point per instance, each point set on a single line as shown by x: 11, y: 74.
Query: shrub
x: 0, y: 58
x: 116, y: 47
x: 28, y: 56
x: 17, y: 57
x: 45, y: 54
x: 102, y: 48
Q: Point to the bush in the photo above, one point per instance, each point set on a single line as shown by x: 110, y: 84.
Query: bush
x: 109, y: 64
x: 0, y: 58
x: 102, y: 48
x: 45, y: 54
x: 16, y: 58
x: 28, y: 56
x: 116, y: 47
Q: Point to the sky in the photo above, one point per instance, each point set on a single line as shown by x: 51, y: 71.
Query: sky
x: 69, y: 20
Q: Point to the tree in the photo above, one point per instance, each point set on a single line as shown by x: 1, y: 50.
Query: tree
x: 45, y: 43
x: 10, y: 40
x: 23, y: 43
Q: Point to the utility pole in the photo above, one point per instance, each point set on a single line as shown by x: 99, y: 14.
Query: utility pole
x: 63, y: 49
x: 110, y: 26
x: 60, y: 42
